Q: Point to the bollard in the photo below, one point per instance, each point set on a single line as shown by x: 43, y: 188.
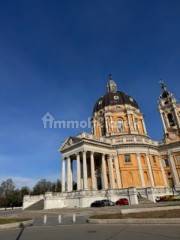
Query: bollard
x: 59, y: 219
x: 45, y: 219
x: 74, y: 218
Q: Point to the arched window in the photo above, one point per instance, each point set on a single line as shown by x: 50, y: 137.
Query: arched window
x: 171, y: 119
x: 136, y: 124
x: 120, y: 125
x: 103, y: 130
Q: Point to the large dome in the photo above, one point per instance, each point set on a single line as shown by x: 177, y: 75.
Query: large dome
x: 114, y: 98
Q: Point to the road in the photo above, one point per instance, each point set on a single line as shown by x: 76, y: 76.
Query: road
x: 100, y: 232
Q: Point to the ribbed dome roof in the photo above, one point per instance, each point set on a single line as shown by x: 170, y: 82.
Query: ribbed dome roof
x: 114, y: 98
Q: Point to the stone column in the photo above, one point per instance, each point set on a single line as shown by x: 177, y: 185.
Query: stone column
x: 104, y: 173
x: 174, y: 170
x: 140, y: 170
x: 63, y: 162
x: 134, y: 125
x: 163, y: 173
x: 118, y: 178
x: 106, y: 122
x: 150, y: 171
x: 69, y: 175
x: 111, y: 172
x: 78, y: 171
x: 144, y: 126
x: 129, y: 123
x: 93, y: 177
x: 85, y: 183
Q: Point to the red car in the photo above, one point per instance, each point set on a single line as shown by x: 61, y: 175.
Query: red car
x: 122, y: 201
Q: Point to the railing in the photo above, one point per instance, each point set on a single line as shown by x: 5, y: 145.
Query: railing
x: 134, y: 139
x: 121, y: 139
x: 87, y: 193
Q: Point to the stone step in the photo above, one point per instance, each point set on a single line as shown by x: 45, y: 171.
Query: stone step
x: 37, y: 206
x: 143, y: 200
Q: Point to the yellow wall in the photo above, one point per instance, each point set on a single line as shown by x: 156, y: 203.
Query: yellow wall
x: 130, y: 175
x: 157, y: 173
x: 176, y: 157
x: 129, y: 172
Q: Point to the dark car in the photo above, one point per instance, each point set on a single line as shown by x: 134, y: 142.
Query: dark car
x: 98, y: 204
x: 108, y: 202
x: 122, y: 201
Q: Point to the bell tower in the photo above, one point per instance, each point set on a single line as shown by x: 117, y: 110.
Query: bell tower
x: 170, y: 115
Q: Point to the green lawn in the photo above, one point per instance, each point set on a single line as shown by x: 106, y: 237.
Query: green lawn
x: 12, y: 220
x: 155, y: 214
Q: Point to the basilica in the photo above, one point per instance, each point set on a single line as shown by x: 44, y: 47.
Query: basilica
x: 118, y: 158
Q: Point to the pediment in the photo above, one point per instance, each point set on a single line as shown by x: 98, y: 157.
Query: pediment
x: 69, y: 142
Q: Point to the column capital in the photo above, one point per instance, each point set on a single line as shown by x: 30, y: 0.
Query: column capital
x: 110, y: 156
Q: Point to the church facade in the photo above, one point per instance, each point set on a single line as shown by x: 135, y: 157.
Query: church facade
x: 119, y: 159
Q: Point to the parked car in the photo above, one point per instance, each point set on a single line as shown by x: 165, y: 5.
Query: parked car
x: 98, y: 204
x: 122, y: 201
x: 108, y: 202
x: 165, y: 198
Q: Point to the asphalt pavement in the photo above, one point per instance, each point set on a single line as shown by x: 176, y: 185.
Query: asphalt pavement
x: 89, y: 231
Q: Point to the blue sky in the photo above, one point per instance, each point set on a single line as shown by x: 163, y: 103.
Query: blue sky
x: 55, y: 57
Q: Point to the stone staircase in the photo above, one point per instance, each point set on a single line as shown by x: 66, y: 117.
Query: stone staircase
x: 144, y: 201
x: 37, y: 206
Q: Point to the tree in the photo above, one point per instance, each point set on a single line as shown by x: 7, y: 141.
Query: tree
x: 58, y: 186
x: 24, y: 191
x: 7, y: 187
x: 42, y: 186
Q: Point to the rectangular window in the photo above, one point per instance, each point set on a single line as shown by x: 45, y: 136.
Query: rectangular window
x: 166, y: 162
x: 127, y: 158
x: 178, y: 160
x: 154, y: 159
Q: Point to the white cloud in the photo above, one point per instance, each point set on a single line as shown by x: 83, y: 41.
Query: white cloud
x: 20, y: 181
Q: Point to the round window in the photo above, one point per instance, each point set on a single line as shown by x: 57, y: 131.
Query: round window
x: 116, y: 97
